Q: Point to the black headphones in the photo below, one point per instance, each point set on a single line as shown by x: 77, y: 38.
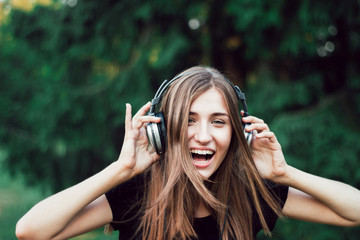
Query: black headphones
x: 156, y: 132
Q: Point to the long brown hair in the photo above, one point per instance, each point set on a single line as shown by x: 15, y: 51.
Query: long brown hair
x: 173, y: 185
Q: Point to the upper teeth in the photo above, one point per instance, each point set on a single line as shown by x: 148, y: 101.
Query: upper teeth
x: 202, y: 152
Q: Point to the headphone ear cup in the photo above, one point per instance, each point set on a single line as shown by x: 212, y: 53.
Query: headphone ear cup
x: 248, y: 135
x: 162, y: 131
x: 156, y: 134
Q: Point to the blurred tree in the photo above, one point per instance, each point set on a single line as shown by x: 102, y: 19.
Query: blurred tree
x: 67, y: 69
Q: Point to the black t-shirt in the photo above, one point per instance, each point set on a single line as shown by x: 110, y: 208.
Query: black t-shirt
x: 126, y: 219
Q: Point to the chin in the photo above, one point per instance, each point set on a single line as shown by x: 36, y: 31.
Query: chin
x: 205, y: 175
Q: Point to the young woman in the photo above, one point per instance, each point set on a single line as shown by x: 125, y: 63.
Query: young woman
x: 205, y: 181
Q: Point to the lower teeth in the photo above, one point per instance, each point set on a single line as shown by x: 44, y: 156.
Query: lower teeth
x: 203, y: 161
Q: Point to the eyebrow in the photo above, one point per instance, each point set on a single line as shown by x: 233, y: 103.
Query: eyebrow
x: 215, y: 114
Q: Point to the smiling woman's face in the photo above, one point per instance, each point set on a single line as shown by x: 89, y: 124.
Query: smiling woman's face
x: 209, y: 131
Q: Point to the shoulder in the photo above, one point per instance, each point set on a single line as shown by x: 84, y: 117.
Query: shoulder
x: 127, y: 190
x: 125, y: 196
x: 279, y: 193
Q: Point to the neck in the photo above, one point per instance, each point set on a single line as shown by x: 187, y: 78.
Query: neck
x: 202, y: 210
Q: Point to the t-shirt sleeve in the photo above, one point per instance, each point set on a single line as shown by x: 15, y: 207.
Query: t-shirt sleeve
x: 124, y: 201
x: 280, y: 194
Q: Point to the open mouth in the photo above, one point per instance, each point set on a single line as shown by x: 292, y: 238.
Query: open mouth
x: 201, y: 158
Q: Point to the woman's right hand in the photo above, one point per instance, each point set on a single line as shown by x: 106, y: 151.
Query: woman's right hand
x: 135, y: 155
x: 61, y: 216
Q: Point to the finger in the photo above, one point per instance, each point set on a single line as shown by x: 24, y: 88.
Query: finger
x: 128, y: 122
x: 142, y: 111
x: 260, y: 127
x: 155, y: 157
x: 139, y: 121
x: 269, y: 135
x: 252, y: 119
x: 147, y: 119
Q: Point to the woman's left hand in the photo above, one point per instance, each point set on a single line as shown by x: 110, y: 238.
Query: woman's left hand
x: 266, y: 150
x: 310, y: 198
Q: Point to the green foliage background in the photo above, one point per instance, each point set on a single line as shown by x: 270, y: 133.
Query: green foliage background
x: 67, y: 70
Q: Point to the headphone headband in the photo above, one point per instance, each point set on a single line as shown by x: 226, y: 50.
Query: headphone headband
x: 165, y: 84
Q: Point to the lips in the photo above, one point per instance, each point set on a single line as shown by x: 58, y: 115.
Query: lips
x: 202, y: 158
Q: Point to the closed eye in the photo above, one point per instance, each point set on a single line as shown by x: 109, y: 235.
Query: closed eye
x: 218, y: 122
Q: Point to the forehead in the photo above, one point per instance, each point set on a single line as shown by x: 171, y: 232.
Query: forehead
x: 211, y: 100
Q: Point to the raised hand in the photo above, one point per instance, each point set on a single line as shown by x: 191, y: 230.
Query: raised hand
x: 135, y: 155
x: 266, y: 150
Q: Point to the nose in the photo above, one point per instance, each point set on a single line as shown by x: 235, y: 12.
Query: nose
x: 203, y: 134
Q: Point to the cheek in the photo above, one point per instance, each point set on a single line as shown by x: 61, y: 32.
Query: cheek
x: 225, y: 145
x: 224, y: 140
x: 190, y: 133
